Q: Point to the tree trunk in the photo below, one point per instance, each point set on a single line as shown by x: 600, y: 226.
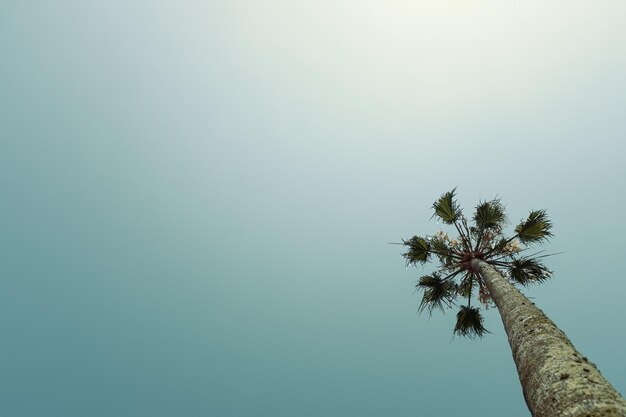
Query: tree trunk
x: 555, y: 378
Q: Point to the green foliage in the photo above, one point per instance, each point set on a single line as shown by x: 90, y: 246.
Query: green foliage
x: 464, y: 289
x: 419, y: 250
x: 446, y: 208
x: 484, y: 240
x: 499, y: 246
x: 469, y: 323
x: 437, y: 292
x: 440, y: 247
x: 489, y: 215
x: 535, y: 228
x: 526, y: 271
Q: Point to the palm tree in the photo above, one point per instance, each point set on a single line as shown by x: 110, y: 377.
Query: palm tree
x: 555, y: 378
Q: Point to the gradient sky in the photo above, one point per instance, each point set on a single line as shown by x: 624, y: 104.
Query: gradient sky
x: 197, y: 198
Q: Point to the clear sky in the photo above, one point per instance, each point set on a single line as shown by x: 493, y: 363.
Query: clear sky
x: 197, y: 198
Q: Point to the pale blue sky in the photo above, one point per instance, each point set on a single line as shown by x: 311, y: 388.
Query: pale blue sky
x: 197, y: 198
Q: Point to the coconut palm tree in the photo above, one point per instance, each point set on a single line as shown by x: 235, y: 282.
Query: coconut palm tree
x: 481, y: 261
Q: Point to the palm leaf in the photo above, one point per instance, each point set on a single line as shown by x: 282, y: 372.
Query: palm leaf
x: 442, y: 250
x: 469, y: 323
x: 446, y: 208
x: 437, y: 292
x: 419, y: 250
x: 497, y: 248
x: 535, y: 228
x: 464, y: 289
x: 526, y: 271
x: 489, y: 215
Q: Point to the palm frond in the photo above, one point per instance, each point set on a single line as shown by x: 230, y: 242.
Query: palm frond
x: 441, y: 248
x: 489, y: 215
x: 437, y: 292
x: 446, y: 208
x: 419, y: 250
x: 497, y: 248
x: 464, y: 288
x: 469, y: 323
x: 526, y: 271
x: 535, y: 228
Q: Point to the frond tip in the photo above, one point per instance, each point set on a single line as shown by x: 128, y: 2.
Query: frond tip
x: 469, y: 323
x: 535, y: 228
x: 437, y: 293
x: 446, y: 208
x: 419, y: 250
x: 526, y: 271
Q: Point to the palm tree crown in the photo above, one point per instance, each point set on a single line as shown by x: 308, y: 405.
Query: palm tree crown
x: 482, y: 238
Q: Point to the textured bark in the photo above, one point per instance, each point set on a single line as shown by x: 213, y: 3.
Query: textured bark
x: 555, y: 378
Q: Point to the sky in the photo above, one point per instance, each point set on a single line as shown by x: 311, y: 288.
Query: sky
x: 198, y: 196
